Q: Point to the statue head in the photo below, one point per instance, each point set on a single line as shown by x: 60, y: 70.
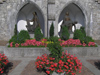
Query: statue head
x: 34, y: 13
x: 67, y: 13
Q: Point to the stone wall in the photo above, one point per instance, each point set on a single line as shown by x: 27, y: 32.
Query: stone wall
x: 9, y: 11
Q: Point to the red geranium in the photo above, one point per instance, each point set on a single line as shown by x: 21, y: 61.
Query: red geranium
x: 68, y: 64
x: 3, y: 62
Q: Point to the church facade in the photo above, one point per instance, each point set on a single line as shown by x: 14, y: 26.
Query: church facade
x: 85, y: 12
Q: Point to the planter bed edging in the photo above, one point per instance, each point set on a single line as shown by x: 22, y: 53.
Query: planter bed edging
x: 30, y: 52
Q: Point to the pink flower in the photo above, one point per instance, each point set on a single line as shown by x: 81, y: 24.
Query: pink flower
x: 22, y: 44
x: 91, y: 43
x: 11, y: 44
x: 16, y: 45
x: 84, y: 44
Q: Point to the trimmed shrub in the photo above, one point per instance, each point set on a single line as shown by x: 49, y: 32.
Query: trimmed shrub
x: 83, y: 31
x: 64, y: 33
x: 38, y: 34
x: 13, y: 39
x: 78, y: 35
x: 51, y: 32
x: 15, y: 29
x: 20, y: 38
x: 88, y: 39
x: 54, y: 39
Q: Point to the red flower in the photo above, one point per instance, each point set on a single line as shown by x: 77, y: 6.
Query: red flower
x: 79, y: 71
x: 52, y: 65
x: 55, y: 64
x: 69, y: 66
x: 1, y: 71
x: 68, y: 60
x: 62, y: 57
x: 48, y: 72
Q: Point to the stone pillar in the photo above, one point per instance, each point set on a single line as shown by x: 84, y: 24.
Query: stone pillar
x: 51, y: 14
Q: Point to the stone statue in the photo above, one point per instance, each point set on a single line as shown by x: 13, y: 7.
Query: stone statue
x: 33, y: 24
x: 67, y: 22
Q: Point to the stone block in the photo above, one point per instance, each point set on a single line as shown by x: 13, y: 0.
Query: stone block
x: 51, y: 1
x: 51, y: 11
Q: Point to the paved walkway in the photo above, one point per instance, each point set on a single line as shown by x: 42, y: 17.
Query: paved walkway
x: 18, y: 70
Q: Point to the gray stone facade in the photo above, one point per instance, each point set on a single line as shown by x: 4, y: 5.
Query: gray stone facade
x: 51, y: 10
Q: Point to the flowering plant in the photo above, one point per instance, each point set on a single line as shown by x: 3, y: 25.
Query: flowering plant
x: 44, y: 43
x: 30, y: 43
x: 66, y: 63
x: 74, y: 43
x: 3, y: 62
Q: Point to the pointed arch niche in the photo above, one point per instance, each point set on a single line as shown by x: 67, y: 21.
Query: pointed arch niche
x: 75, y: 14
x: 26, y: 13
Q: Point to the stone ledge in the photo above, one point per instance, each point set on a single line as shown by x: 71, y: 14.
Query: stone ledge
x: 30, y: 52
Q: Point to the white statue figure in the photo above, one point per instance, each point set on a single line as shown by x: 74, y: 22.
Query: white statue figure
x: 59, y: 27
x: 31, y: 23
x: 73, y: 28
x: 21, y: 25
x: 76, y: 26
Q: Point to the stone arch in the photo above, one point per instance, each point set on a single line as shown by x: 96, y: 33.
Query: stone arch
x: 21, y: 21
x: 80, y: 6
x: 13, y: 19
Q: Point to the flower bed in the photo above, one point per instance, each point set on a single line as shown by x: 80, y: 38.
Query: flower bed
x: 3, y: 62
x: 67, y: 63
x: 44, y: 43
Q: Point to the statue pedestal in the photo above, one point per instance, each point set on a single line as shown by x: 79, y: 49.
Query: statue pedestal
x: 71, y: 35
x: 31, y: 35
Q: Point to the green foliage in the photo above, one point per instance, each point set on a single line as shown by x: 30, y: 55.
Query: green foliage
x: 54, y: 39
x: 83, y: 31
x: 13, y: 39
x: 64, y: 33
x: 51, y: 32
x: 78, y: 35
x: 20, y: 38
x: 88, y: 39
x: 15, y: 29
x: 81, y: 34
x: 38, y: 34
x: 55, y: 49
x: 23, y: 35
